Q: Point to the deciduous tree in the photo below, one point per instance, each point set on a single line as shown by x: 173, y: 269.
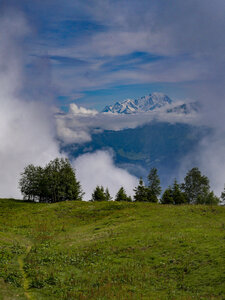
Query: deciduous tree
x: 196, y: 186
x: 56, y: 182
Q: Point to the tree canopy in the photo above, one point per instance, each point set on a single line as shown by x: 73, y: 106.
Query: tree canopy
x: 53, y: 183
x: 57, y: 182
x: 195, y: 186
x: 197, y: 189
x: 122, y: 196
x: 167, y: 197
x: 154, y: 188
x: 100, y: 194
x: 141, y: 192
x: 173, y: 195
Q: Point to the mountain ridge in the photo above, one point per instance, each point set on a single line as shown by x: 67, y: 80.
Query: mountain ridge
x: 144, y: 104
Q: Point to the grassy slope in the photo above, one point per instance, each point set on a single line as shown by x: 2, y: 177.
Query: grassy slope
x: 77, y: 250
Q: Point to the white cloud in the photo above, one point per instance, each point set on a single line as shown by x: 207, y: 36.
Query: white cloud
x: 209, y: 157
x: 98, y: 169
x: 26, y: 129
x: 70, y: 135
x: 74, y: 109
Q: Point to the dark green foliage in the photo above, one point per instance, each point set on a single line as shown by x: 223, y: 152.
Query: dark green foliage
x: 107, y: 195
x: 152, y: 191
x: 154, y: 188
x: 196, y: 186
x: 173, y: 195
x: 129, y: 199
x: 209, y: 199
x: 99, y: 194
x: 141, y: 192
x: 31, y: 183
x: 53, y: 183
x: 197, y: 189
x: 178, y: 195
x: 122, y: 196
x: 167, y: 197
x: 223, y: 196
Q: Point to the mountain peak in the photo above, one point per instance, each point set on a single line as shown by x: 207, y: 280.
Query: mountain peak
x: 143, y: 104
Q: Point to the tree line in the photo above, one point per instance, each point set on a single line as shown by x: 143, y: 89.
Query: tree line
x: 57, y: 182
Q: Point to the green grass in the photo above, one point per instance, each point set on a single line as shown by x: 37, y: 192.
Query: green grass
x: 78, y: 250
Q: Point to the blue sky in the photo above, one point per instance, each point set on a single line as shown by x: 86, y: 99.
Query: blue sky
x: 98, y: 51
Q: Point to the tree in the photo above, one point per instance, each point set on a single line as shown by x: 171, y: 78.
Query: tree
x: 223, y: 195
x: 70, y: 187
x: 122, y: 196
x: 56, y: 182
x: 53, y: 180
x: 31, y: 182
x: 209, y: 199
x: 167, y: 197
x: 154, y: 189
x: 141, y: 192
x: 107, y: 195
x: 173, y: 195
x: 178, y: 195
x: 99, y: 194
x: 196, y: 186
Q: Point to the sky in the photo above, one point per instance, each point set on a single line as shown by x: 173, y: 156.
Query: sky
x: 69, y: 54
x: 101, y: 51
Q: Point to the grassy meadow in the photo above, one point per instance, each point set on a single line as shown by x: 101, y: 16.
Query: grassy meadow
x: 108, y: 250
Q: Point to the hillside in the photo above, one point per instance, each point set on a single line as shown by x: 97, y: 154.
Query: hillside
x: 78, y: 250
x: 158, y: 144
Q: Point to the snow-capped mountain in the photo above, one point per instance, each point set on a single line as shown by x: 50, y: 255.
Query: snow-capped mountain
x: 144, y: 104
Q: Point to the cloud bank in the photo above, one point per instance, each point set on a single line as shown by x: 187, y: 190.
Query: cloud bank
x: 26, y: 130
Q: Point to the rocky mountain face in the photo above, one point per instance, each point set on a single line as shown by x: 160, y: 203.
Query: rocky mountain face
x: 149, y: 103
x: 144, y: 104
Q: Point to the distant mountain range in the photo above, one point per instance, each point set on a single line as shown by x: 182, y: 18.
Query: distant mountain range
x: 143, y: 104
x: 159, y: 144
x: 149, y: 103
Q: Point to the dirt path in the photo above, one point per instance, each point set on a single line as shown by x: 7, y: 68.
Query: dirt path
x: 25, y: 279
